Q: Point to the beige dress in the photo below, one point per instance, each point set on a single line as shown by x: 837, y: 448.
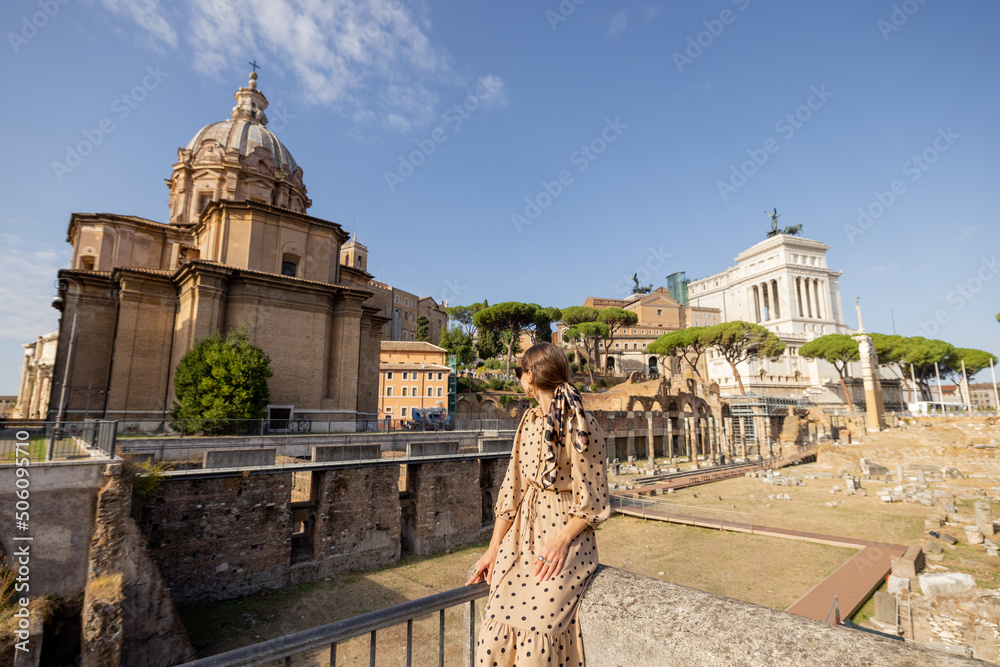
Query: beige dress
x: 528, y: 622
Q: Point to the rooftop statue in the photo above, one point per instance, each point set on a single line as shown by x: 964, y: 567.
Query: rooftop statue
x: 638, y: 289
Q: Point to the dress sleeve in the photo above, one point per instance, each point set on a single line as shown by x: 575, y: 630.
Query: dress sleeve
x: 590, y: 477
x: 509, y: 496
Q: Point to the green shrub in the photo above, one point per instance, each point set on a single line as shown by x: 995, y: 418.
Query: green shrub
x: 574, y: 367
x: 570, y: 356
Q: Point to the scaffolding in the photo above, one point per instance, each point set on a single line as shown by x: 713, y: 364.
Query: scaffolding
x: 757, y: 418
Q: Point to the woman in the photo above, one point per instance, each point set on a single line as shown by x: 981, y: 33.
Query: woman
x: 543, y: 549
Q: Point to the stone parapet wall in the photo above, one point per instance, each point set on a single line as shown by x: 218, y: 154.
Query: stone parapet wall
x: 629, y: 619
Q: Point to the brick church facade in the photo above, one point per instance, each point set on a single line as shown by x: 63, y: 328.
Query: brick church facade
x: 239, y: 253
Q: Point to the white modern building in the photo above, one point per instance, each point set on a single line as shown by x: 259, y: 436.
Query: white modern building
x: 784, y: 284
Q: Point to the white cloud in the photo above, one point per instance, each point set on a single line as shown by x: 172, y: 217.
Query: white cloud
x: 619, y: 21
x: 148, y: 14
x: 491, y: 91
x: 369, y: 59
x: 651, y: 12
x: 26, y: 290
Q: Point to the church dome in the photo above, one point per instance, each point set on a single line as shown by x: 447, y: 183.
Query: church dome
x: 246, y: 129
x: 244, y: 135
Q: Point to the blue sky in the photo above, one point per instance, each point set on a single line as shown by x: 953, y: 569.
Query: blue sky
x: 646, y: 110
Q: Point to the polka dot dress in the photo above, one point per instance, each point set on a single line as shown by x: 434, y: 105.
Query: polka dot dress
x: 528, y: 622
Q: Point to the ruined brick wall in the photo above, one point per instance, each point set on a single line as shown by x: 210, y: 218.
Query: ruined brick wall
x: 448, y: 505
x: 128, y: 613
x: 357, y: 518
x: 221, y: 538
x: 491, y: 474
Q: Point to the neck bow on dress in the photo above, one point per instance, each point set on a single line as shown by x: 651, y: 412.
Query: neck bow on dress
x: 566, y: 404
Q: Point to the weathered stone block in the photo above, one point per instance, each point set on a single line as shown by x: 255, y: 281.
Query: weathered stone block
x: 239, y: 458
x: 431, y: 448
x: 328, y: 453
x: 983, y: 518
x: 910, y: 564
x: 945, y: 583
x: 885, y: 608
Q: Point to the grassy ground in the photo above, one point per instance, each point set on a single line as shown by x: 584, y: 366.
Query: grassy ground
x: 865, y: 518
x: 36, y: 451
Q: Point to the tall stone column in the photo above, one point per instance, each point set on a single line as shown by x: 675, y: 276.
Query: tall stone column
x: 669, y: 435
x: 874, y: 408
x: 650, y: 440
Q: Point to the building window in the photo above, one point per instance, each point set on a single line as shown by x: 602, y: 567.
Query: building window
x: 439, y: 392
x: 388, y: 376
x: 406, y: 376
x: 87, y: 263
x: 388, y: 409
x: 440, y: 376
x: 415, y: 392
x: 402, y: 411
x: 617, y: 346
x: 430, y: 392
x: 397, y: 298
x: 288, y: 268
x: 388, y: 391
x: 659, y: 312
x: 203, y: 199
x: 404, y: 391
x: 406, y: 301
x: 430, y: 376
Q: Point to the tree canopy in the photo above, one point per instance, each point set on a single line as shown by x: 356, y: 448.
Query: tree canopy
x: 616, y: 319
x: 975, y: 361
x: 464, y: 315
x: 222, y: 378
x: 591, y: 334
x: 738, y: 341
x: 423, y: 329
x: 459, y: 343
x: 688, y: 344
x: 541, y: 325
x: 507, y: 320
x: 837, y: 349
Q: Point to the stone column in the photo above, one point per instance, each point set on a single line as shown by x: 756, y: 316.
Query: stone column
x: 650, y: 440
x: 983, y: 519
x: 874, y: 409
x: 669, y: 435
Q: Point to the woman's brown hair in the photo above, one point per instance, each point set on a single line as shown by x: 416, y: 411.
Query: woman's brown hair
x: 547, y: 364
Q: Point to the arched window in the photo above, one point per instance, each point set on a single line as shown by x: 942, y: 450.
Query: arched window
x: 87, y: 262
x: 289, y: 265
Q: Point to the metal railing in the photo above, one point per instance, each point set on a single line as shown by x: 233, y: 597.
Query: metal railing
x: 56, y: 441
x: 675, y: 513
x: 182, y: 428
x: 331, y: 634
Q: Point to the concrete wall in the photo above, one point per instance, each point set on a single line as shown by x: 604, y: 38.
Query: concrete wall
x: 629, y: 619
x: 63, y: 497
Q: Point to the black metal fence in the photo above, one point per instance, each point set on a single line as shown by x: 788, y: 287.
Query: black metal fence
x: 330, y: 635
x: 56, y: 441
x: 182, y: 428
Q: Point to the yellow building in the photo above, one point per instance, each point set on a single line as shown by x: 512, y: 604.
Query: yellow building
x: 411, y: 375
x: 658, y: 313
